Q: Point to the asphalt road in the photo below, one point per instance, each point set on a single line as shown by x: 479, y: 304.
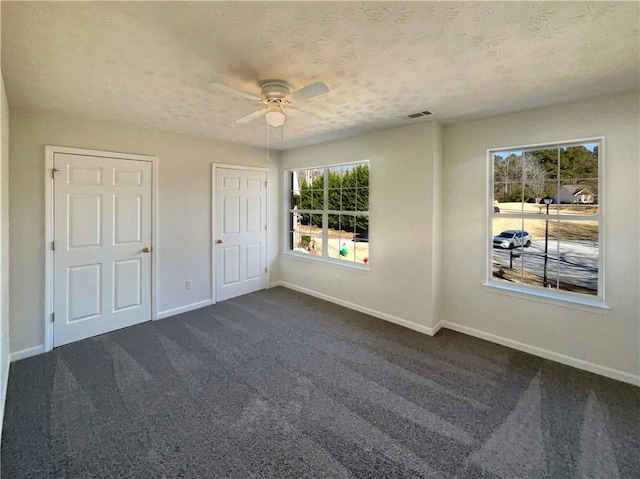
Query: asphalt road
x: 577, y: 263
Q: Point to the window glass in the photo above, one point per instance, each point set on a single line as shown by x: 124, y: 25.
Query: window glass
x: 545, y: 218
x: 329, y: 213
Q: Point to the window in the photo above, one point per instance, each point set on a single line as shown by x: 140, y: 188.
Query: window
x: 546, y: 219
x: 328, y: 213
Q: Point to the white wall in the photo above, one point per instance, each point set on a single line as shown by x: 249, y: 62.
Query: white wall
x: 609, y: 344
x: 184, y: 208
x: 403, y: 199
x: 4, y: 248
x: 427, y: 183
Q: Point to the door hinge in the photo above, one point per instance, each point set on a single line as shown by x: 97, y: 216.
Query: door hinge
x: 265, y: 227
x: 53, y: 173
x: 53, y: 317
x: 266, y: 183
x: 53, y: 246
x: 265, y: 269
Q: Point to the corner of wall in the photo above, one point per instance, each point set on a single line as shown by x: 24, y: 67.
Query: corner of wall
x: 607, y: 346
x: 436, y: 272
x: 4, y: 247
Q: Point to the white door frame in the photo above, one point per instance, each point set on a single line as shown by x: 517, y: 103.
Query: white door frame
x: 49, y: 190
x: 214, y: 259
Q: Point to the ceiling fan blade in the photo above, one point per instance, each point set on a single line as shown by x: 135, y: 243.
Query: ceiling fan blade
x: 236, y: 92
x: 302, y: 115
x: 252, y: 116
x: 308, y: 91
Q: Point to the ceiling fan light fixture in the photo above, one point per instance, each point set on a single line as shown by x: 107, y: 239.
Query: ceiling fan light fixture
x: 276, y: 98
x: 275, y: 118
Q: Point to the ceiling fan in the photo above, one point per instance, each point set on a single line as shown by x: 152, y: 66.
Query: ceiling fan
x: 277, y: 99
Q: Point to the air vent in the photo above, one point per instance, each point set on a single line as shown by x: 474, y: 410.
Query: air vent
x: 414, y: 116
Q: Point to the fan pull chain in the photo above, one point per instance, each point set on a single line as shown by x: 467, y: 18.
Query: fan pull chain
x: 268, y: 143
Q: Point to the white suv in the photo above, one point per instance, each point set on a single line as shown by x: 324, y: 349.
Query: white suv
x: 511, y: 239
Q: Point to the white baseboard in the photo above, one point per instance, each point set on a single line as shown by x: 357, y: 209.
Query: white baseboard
x: 437, y: 328
x: 372, y: 312
x: 34, y: 351
x: 536, y: 351
x: 184, y: 309
x: 274, y: 284
x: 26, y: 353
x: 5, y: 382
x: 544, y: 353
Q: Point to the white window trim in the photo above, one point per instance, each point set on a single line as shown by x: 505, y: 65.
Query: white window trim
x: 326, y: 261
x: 551, y: 296
x: 541, y: 295
x: 325, y: 213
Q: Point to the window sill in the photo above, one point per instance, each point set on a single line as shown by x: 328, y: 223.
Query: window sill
x: 548, y: 298
x: 327, y: 261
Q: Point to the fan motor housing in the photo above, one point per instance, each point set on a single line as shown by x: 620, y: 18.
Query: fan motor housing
x: 274, y: 89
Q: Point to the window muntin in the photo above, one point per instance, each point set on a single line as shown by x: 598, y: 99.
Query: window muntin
x: 329, y: 213
x: 564, y: 254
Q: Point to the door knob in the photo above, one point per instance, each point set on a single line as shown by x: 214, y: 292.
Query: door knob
x: 219, y: 241
x: 145, y: 249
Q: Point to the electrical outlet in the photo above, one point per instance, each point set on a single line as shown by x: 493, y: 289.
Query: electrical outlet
x: 338, y: 279
x: 188, y: 283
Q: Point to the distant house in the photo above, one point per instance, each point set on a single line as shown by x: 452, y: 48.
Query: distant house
x: 575, y: 194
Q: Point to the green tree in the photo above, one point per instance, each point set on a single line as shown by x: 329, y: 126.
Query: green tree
x: 348, y: 190
x: 312, y: 198
x: 537, y: 173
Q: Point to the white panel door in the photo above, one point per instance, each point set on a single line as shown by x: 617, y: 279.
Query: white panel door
x: 102, y: 247
x: 241, y: 237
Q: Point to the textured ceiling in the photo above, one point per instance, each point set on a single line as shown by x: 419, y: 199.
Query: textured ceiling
x: 151, y: 64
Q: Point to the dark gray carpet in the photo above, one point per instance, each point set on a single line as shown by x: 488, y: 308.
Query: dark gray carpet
x: 278, y: 384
